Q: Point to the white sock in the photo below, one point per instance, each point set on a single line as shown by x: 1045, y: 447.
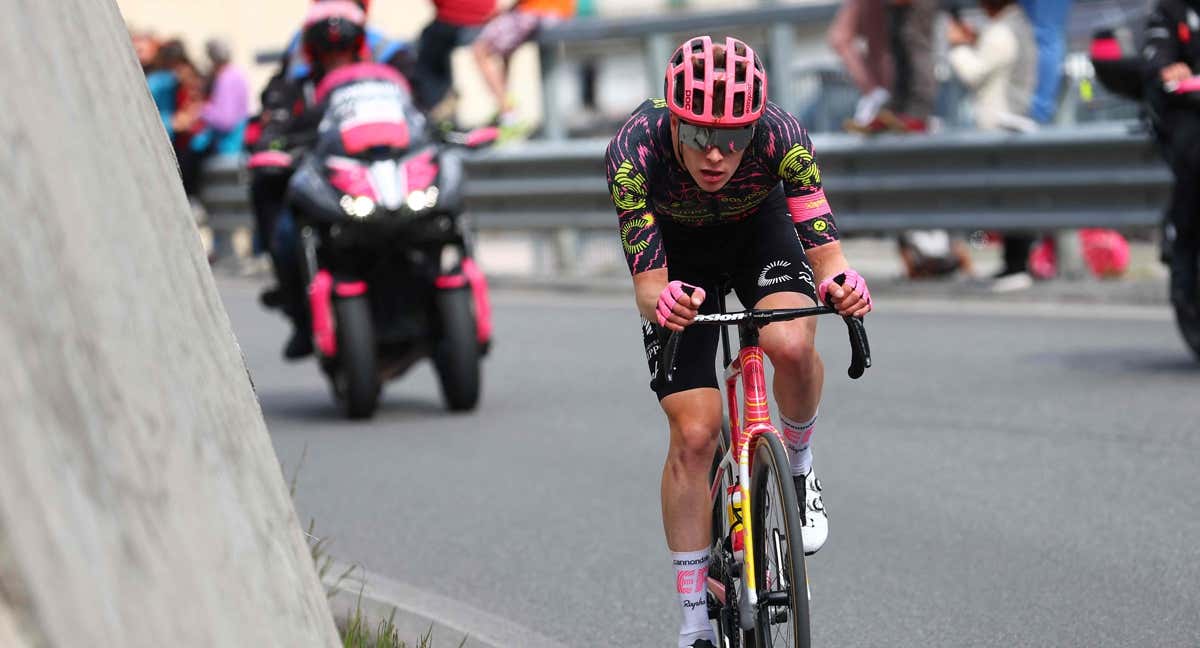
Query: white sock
x: 691, y: 582
x: 798, y: 437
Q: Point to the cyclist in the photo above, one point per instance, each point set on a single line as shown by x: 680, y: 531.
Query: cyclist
x: 712, y: 181
x: 1172, y: 54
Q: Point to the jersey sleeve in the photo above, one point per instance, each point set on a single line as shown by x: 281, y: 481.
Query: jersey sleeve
x: 789, y: 155
x: 628, y: 161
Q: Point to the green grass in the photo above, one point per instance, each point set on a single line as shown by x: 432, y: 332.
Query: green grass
x: 357, y: 632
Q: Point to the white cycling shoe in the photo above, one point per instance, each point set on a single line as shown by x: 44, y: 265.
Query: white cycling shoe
x: 812, y: 511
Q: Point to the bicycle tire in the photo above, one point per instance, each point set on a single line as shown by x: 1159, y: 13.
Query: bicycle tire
x: 779, y: 541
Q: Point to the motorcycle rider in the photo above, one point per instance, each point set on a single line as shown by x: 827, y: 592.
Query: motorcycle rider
x: 1172, y: 55
x: 333, y: 36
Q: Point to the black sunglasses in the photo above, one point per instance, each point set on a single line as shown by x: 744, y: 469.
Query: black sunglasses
x: 725, y: 140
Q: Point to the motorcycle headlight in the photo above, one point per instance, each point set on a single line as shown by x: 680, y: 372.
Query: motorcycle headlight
x: 358, y: 207
x: 422, y: 199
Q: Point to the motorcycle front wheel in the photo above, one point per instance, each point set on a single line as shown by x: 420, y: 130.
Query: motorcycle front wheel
x: 456, y: 355
x: 356, y: 375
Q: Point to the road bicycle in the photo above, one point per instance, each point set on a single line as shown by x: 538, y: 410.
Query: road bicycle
x: 758, y: 592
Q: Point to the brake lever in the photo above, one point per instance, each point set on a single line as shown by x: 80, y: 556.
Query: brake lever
x: 860, y: 347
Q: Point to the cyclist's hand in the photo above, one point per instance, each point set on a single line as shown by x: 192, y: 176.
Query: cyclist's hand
x: 678, y: 304
x: 1175, y: 73
x: 847, y: 292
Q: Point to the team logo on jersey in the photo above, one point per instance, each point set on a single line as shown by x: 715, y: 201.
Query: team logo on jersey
x: 658, y: 103
x: 631, y: 229
x: 629, y: 188
x: 819, y: 225
x: 798, y: 167
x: 765, y: 282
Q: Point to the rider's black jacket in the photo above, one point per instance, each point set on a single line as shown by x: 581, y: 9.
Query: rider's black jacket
x: 288, y: 110
x: 1172, y: 35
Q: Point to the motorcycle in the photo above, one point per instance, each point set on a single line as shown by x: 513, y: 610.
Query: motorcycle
x: 1125, y: 76
x: 377, y: 201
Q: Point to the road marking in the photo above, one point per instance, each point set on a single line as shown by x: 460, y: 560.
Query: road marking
x: 451, y: 620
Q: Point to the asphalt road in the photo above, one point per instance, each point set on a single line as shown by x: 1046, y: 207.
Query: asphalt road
x: 1003, y: 476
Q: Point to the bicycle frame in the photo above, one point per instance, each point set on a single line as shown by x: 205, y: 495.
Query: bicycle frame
x: 749, y: 367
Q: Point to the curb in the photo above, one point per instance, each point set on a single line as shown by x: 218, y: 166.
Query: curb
x: 418, y: 612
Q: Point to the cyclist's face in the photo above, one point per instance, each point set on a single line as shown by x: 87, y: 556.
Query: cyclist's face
x: 711, y: 167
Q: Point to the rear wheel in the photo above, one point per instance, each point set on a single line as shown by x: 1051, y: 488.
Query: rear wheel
x: 356, y: 374
x: 781, y: 620
x: 456, y: 355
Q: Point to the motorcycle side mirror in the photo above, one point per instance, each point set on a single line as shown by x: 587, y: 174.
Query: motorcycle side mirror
x: 477, y: 138
x: 482, y: 136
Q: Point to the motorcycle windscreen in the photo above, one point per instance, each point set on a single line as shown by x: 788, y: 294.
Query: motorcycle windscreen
x: 369, y: 114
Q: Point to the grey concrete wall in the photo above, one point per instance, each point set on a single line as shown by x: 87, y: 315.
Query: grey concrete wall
x: 141, y: 503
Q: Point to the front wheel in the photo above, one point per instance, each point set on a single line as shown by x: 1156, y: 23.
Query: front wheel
x: 1187, y: 316
x: 456, y: 355
x: 781, y: 620
x: 356, y: 373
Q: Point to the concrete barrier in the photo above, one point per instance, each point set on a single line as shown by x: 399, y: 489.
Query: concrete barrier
x: 141, y: 503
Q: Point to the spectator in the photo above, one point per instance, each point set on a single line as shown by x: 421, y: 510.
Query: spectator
x: 164, y: 84
x: 500, y: 38
x: 997, y: 65
x: 1049, y: 18
x: 189, y: 89
x: 455, y: 23
x: 871, y: 70
x: 910, y: 26
x: 222, y: 120
x: 145, y: 45
x: 998, y: 68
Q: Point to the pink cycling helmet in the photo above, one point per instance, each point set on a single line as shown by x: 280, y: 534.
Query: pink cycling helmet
x: 716, y: 85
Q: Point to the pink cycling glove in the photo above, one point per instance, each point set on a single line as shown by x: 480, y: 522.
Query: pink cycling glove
x: 670, y: 296
x: 850, y: 280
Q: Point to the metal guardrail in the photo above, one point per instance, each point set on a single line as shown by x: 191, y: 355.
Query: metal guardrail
x: 1103, y: 175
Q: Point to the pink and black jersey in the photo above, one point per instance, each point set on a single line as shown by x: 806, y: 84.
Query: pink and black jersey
x: 648, y: 185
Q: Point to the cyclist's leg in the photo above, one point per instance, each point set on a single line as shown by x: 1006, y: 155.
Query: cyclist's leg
x: 773, y: 272
x: 695, y: 420
x: 692, y: 404
x: 694, y: 417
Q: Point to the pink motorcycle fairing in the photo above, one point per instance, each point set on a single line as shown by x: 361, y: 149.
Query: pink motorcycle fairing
x: 421, y: 170
x: 350, y: 178
x: 483, y: 306
x: 473, y: 277
x: 320, y: 300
